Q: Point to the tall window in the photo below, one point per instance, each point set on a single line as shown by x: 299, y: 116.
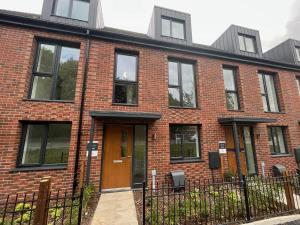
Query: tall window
x: 181, y: 84
x: 184, y: 142
x: 55, y: 72
x: 276, y: 140
x: 44, y: 144
x: 298, y: 84
x: 125, y: 87
x: 74, y: 9
x: 231, y: 90
x: 298, y: 53
x: 268, y: 92
x: 247, y: 43
x: 172, y: 28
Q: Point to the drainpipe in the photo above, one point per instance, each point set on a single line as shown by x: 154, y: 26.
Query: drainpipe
x: 82, y: 101
x: 237, y: 150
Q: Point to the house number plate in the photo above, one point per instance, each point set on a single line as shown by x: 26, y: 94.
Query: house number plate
x: 117, y: 161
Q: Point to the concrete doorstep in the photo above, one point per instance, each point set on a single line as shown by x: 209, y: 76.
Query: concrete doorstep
x: 115, y: 209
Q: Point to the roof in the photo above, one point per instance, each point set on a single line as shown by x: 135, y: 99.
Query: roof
x: 248, y: 120
x: 126, y: 115
x: 29, y: 20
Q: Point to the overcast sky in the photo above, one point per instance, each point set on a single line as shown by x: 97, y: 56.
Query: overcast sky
x: 276, y: 20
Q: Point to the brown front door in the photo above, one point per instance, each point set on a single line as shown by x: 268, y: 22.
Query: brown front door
x: 117, y: 156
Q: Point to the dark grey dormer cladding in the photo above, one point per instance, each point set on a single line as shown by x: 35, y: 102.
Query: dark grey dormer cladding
x: 240, y: 40
x: 288, y: 51
x: 171, y: 20
x: 86, y: 13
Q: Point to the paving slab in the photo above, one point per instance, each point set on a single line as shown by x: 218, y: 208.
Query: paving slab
x: 289, y: 220
x: 115, y: 209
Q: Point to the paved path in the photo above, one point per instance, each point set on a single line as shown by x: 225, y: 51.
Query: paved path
x: 115, y: 209
x: 278, y: 220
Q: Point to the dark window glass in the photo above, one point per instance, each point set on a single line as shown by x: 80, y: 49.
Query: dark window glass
x: 140, y: 151
x: 231, y: 90
x: 125, y: 90
x: 181, y: 84
x: 75, y: 9
x: 173, y: 28
x: 46, y: 143
x: 298, y: 53
x: 276, y: 140
x: 51, y: 80
x: 247, y: 43
x: 268, y: 92
x: 184, y: 142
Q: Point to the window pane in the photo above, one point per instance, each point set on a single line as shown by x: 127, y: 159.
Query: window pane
x: 177, y: 30
x: 270, y: 135
x: 242, y: 43
x: 140, y: 147
x: 173, y: 73
x: 249, y: 150
x: 190, y: 145
x: 232, y: 101
x: 166, y: 27
x: 41, y: 87
x: 66, y: 80
x: 298, y: 84
x: 125, y: 93
x: 261, y: 84
x: 175, y: 142
x: 298, y: 53
x: 229, y: 79
x: 33, y: 143
x: 188, y: 85
x: 250, y: 44
x: 174, y: 97
x: 271, y: 93
x: 62, y: 8
x: 265, y: 104
x: 281, y: 140
x: 58, y: 142
x: 80, y: 10
x: 126, y: 67
x: 46, y: 58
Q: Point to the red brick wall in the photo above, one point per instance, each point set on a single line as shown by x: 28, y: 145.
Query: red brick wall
x: 15, y: 70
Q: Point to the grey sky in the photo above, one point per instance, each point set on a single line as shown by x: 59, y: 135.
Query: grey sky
x: 276, y: 20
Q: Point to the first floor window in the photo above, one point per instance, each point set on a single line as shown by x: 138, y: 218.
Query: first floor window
x: 276, y: 140
x: 55, y: 72
x: 231, y: 90
x: 44, y: 144
x: 125, y: 87
x: 184, y: 142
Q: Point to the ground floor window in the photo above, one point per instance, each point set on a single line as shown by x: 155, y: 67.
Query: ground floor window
x: 44, y: 144
x: 276, y: 140
x: 184, y: 142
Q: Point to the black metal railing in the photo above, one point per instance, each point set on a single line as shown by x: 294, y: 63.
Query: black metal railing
x: 62, y: 208
x: 221, y: 202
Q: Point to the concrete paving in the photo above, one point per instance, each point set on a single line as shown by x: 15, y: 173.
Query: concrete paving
x: 293, y: 220
x: 115, y: 209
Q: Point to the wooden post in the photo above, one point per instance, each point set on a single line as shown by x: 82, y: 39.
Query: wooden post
x: 81, y: 175
x: 41, y: 214
x: 288, y: 189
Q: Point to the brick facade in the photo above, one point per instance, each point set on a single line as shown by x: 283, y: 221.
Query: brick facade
x: 17, y: 53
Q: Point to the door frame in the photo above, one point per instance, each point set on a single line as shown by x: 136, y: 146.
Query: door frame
x: 104, y: 135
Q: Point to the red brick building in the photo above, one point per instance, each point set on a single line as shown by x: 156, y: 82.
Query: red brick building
x: 150, y: 103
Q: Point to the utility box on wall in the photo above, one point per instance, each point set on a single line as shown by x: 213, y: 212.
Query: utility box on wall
x: 214, y: 160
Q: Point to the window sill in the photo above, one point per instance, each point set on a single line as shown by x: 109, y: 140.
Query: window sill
x: 235, y: 110
x: 275, y: 112
x: 44, y: 100
x: 123, y: 104
x: 178, y: 107
x: 281, y: 155
x: 181, y: 161
x: 42, y: 168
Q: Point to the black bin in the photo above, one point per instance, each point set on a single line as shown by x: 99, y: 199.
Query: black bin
x: 278, y: 170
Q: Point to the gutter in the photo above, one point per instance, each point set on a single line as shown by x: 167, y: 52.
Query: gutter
x: 82, y: 102
x: 146, y: 42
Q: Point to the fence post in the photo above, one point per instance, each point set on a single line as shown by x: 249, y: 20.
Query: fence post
x: 288, y: 189
x: 247, y: 206
x: 41, y: 214
x: 80, y: 206
x: 144, y: 203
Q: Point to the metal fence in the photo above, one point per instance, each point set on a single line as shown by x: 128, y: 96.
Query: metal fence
x: 58, y: 208
x: 221, y: 202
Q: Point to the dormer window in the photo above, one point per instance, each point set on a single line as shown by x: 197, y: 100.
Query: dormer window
x: 298, y: 53
x: 173, y: 28
x: 74, y: 9
x: 247, y: 43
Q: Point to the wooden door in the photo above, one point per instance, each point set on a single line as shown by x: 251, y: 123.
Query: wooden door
x: 117, y: 162
x: 232, y: 165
